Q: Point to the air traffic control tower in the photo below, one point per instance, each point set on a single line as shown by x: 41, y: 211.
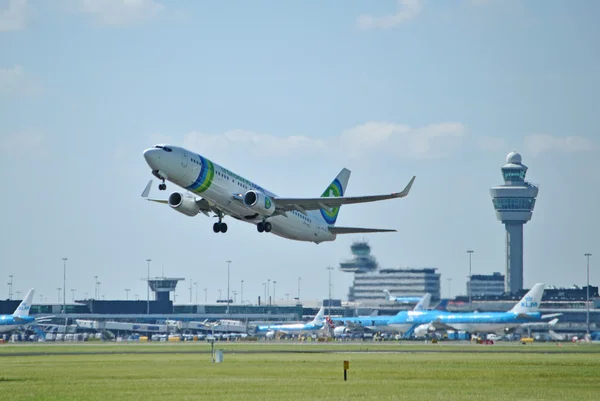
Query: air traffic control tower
x: 514, y: 202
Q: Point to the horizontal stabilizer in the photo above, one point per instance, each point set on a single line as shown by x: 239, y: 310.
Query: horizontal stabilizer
x: 358, y: 230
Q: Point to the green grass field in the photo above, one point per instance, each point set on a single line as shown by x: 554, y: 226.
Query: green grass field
x: 297, y: 372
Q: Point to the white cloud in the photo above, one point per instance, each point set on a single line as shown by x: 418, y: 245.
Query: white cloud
x: 541, y: 143
x: 406, y: 10
x: 14, y: 81
x: 255, y: 143
x: 118, y: 12
x: 14, y: 15
x: 370, y: 139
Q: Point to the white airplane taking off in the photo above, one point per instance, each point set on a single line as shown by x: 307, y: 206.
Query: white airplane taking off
x: 214, y: 189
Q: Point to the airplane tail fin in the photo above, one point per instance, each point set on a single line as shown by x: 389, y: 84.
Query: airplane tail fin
x: 423, y: 304
x: 336, y: 188
x: 531, y: 301
x: 23, y: 308
x: 389, y: 295
x: 443, y: 305
x: 320, y: 317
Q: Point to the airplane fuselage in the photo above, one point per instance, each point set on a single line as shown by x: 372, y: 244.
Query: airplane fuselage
x: 223, y: 189
x: 296, y: 328
x: 9, y: 323
x: 479, y: 322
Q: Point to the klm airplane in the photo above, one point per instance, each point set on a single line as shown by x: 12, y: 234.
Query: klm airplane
x: 401, y: 300
x: 524, y: 312
x: 214, y: 189
x: 20, y: 317
x: 295, y: 328
x: 375, y: 323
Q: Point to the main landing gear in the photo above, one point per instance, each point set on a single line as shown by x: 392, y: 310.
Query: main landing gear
x: 264, y: 226
x: 220, y: 227
x: 162, y: 187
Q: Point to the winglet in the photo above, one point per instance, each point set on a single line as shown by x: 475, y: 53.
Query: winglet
x: 147, y: 189
x: 407, y: 188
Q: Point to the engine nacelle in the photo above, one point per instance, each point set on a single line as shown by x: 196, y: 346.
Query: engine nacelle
x: 340, y: 331
x: 259, y: 202
x: 184, y: 204
x: 423, y: 330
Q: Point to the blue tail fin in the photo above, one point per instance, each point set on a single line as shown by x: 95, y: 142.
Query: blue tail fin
x: 336, y: 188
x: 443, y: 305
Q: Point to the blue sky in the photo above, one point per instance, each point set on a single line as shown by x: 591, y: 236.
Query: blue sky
x: 286, y: 94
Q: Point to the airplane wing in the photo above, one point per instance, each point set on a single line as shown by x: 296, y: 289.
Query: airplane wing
x: 358, y: 230
x: 288, y: 204
x: 203, y: 203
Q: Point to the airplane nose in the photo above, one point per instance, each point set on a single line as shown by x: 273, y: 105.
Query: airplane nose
x: 151, y: 156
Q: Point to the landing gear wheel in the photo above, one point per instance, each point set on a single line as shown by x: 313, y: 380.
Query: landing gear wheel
x: 162, y: 187
x: 223, y: 227
x: 217, y: 227
x: 260, y: 227
x: 267, y: 227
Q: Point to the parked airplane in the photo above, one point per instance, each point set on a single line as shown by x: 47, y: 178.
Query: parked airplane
x: 20, y: 316
x: 295, y: 328
x: 401, y: 300
x: 214, y: 189
x: 374, y: 323
x: 525, y: 311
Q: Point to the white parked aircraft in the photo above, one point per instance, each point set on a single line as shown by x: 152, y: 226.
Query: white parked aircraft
x: 214, y: 189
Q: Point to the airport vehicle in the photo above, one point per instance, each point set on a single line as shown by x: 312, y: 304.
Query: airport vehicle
x: 211, y: 188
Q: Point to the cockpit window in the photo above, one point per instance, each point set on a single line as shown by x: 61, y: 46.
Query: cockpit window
x: 165, y: 148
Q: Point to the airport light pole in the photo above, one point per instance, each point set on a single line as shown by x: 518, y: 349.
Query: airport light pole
x: 228, y: 264
x: 299, y: 278
x: 265, y: 290
x: 95, y: 287
x: 274, y: 298
x: 234, y: 295
x: 65, y: 284
x: 587, y: 298
x: 219, y: 294
x: 190, y: 291
x: 196, y: 285
x: 242, y: 292
x: 205, y: 295
x: 269, y: 291
x: 148, y: 289
x: 470, y: 252
x: 10, y: 286
x: 127, y: 294
x: 329, y: 302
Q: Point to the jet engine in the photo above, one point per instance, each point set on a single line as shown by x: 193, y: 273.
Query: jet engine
x: 423, y: 330
x: 184, y: 204
x: 259, y: 202
x: 341, y: 330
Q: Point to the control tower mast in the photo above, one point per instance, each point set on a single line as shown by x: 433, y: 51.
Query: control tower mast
x: 514, y: 202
